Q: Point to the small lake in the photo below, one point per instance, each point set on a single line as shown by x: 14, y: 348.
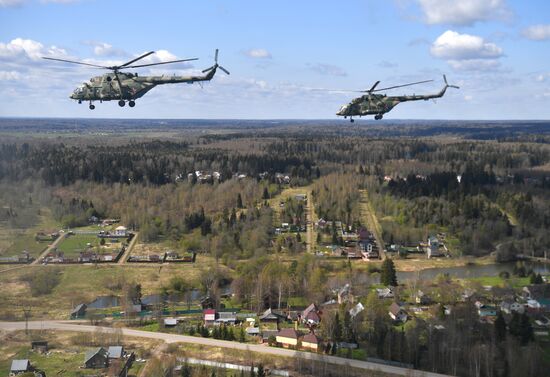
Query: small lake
x: 472, y: 271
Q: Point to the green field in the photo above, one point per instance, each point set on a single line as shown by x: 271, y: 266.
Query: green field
x: 25, y: 241
x: 72, y: 245
x: 62, y: 359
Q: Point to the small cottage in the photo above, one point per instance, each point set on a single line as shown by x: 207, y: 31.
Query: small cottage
x: 96, y: 358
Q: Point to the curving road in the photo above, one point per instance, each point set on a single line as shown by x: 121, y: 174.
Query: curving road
x: 175, y: 338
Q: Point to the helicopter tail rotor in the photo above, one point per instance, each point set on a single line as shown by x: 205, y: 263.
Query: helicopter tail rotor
x: 216, y: 65
x: 447, y: 84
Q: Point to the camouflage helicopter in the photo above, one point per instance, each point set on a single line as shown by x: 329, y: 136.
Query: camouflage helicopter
x: 379, y: 104
x: 127, y: 87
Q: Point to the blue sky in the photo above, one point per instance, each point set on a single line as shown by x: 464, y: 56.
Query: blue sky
x: 496, y: 50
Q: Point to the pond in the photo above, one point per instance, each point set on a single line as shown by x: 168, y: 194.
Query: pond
x: 472, y: 271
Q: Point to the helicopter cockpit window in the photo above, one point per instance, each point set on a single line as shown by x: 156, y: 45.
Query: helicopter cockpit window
x: 79, y: 90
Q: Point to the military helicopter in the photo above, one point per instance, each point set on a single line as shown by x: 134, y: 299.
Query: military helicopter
x: 127, y: 87
x: 379, y: 104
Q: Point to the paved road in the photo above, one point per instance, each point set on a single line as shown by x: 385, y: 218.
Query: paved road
x: 174, y: 338
x: 50, y: 248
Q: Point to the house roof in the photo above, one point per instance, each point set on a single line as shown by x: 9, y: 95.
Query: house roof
x: 394, y: 308
x: 96, y: 351
x: 228, y: 316
x: 311, y: 308
x: 288, y: 333
x: 311, y: 338
x: 253, y: 330
x: 313, y: 316
x: 209, y: 311
x: 20, y: 365
x: 270, y: 315
x: 537, y: 291
x: 115, y: 352
x: 78, y: 308
x: 120, y: 228
x: 170, y: 321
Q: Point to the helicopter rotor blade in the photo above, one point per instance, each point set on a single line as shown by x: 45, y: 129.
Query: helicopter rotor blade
x: 216, y: 56
x: 136, y: 59
x: 374, y: 86
x: 151, y: 64
x: 75, y: 62
x: 400, y: 86
x: 223, y: 69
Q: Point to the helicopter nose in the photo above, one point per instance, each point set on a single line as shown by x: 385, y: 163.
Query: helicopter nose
x: 343, y: 110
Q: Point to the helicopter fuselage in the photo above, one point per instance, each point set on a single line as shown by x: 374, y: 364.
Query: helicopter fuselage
x: 128, y: 86
x: 379, y: 104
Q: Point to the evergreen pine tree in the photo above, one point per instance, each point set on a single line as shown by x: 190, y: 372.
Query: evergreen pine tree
x: 388, y: 275
x: 500, y: 328
x: 526, y: 329
x: 260, y: 372
x: 239, y: 201
x: 242, y: 335
x: 265, y: 194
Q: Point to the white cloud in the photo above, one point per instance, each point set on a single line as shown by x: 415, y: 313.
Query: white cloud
x: 468, y: 98
x: 105, y: 49
x: 453, y: 45
x: 327, y: 69
x: 28, y: 49
x: 463, y: 12
x: 537, y: 32
x: 9, y: 75
x: 10, y: 3
x: 474, y: 64
x: 465, y: 52
x: 258, y: 53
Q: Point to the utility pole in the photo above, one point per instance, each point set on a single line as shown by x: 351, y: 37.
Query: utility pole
x: 26, y: 314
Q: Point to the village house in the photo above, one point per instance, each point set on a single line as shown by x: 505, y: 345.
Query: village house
x: 384, y: 292
x: 226, y: 318
x: 170, y: 322
x: 509, y: 307
x: 287, y: 338
x: 539, y: 293
x: 121, y: 231
x: 253, y: 331
x: 433, y: 249
x: 397, y: 313
x: 344, y: 294
x: 484, y: 311
x: 209, y: 317
x: 79, y: 311
x: 20, y: 367
x: 116, y: 352
x: 422, y: 298
x: 40, y: 346
x: 356, y: 310
x: 96, y: 358
x: 311, y: 341
x: 270, y: 316
x: 311, y: 316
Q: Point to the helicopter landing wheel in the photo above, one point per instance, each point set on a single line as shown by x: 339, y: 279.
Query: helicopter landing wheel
x: 131, y: 103
x: 91, y: 106
x: 121, y: 103
x: 351, y: 120
x: 378, y: 117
